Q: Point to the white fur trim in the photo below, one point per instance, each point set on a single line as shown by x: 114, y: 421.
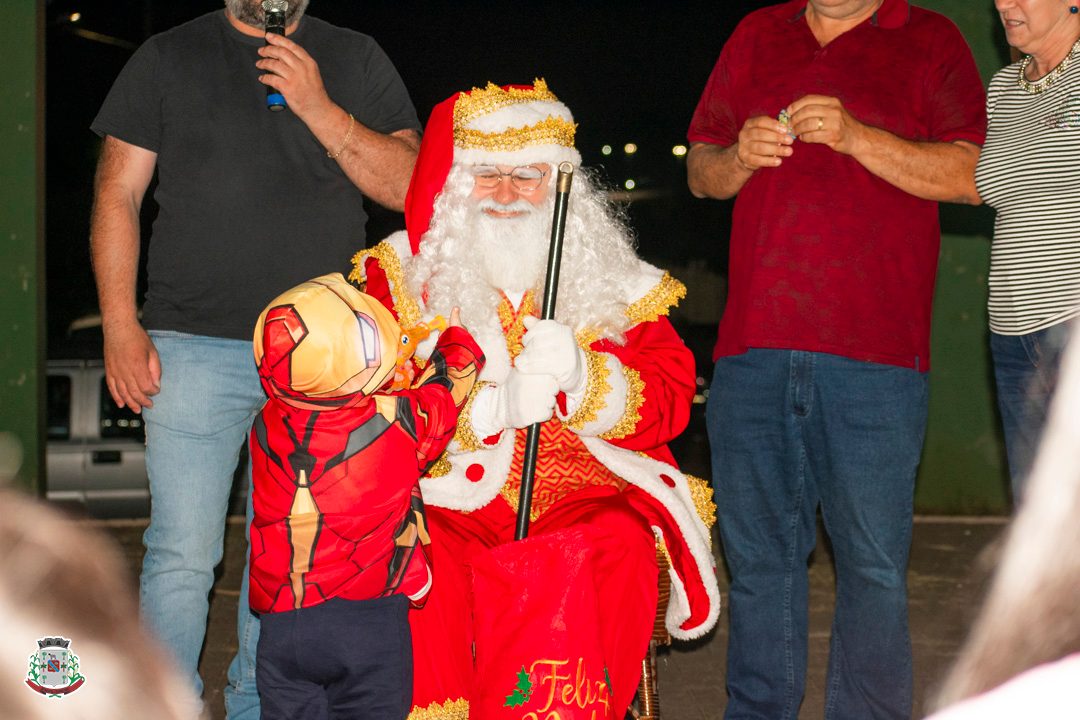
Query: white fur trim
x: 678, y: 609
x: 614, y: 402
x: 642, y: 284
x: 519, y: 115
x: 400, y: 242
x: 485, y: 413
x: 457, y: 492
x: 645, y: 473
x: 528, y: 155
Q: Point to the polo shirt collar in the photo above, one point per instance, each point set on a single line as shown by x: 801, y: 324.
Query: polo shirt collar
x: 891, y: 15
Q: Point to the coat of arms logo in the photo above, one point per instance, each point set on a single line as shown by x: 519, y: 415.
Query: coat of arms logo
x: 54, y: 668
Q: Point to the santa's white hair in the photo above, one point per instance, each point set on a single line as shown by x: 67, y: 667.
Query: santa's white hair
x: 466, y: 258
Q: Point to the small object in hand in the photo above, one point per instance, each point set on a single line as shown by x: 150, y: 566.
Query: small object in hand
x: 405, y: 372
x: 784, y: 119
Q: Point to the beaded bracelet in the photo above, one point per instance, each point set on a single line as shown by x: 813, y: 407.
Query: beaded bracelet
x: 348, y: 135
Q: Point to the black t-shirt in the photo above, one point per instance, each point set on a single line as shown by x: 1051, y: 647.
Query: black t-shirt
x: 249, y: 203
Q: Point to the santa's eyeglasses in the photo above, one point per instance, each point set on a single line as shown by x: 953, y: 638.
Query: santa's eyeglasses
x: 526, y: 178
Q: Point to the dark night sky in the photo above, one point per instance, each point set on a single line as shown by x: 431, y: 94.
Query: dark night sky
x: 630, y: 71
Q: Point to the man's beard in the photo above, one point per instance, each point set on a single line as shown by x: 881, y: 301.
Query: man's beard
x: 510, y: 251
x: 250, y: 12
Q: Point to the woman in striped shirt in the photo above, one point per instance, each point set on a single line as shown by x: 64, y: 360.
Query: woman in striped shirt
x: 1029, y: 172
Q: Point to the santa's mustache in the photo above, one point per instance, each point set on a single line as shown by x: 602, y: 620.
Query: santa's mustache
x: 518, y: 206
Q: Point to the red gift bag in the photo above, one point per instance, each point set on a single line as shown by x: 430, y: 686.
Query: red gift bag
x: 540, y: 648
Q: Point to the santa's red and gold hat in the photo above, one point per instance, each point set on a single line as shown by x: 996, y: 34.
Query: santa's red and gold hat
x: 509, y: 125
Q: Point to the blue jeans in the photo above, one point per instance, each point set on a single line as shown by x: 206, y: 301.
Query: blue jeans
x: 1025, y: 371
x: 210, y: 393
x: 790, y: 431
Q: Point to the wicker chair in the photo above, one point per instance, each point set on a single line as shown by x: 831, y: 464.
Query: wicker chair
x: 648, y: 704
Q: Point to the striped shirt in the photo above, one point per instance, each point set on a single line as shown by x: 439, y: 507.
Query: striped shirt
x: 1029, y: 172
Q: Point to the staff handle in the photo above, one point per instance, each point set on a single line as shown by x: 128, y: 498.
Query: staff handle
x: 551, y: 286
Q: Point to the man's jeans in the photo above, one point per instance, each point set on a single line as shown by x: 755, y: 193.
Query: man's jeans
x: 1026, y: 372
x: 790, y: 430
x: 209, y: 395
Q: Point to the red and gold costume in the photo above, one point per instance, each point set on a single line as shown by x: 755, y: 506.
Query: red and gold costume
x: 336, y: 456
x: 556, y: 625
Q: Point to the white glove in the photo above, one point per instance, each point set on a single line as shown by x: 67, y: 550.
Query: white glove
x: 549, y: 347
x: 521, y: 400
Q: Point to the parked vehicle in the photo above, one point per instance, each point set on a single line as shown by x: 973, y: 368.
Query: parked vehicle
x: 95, y: 452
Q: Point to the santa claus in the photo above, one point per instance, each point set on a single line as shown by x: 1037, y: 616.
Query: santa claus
x: 555, y: 625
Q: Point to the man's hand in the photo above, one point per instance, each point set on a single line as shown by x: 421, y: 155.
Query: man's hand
x: 550, y: 348
x: 132, y: 367
x: 720, y: 172
x: 763, y: 142
x: 295, y: 74
x: 379, y: 164
x: 931, y: 170
x: 823, y: 120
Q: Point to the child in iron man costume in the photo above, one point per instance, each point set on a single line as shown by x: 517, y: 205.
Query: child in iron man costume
x: 338, y: 537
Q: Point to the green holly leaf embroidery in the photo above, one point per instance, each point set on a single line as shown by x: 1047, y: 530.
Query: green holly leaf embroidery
x: 607, y: 679
x: 522, y: 691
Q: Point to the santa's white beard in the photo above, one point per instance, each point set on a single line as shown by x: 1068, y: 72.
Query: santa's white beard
x: 466, y: 257
x: 512, y: 250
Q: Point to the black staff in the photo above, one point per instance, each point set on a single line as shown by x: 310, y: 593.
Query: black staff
x: 551, y: 286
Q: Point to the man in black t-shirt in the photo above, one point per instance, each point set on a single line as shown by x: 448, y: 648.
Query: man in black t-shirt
x: 251, y: 202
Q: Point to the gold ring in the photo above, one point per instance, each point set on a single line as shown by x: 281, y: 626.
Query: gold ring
x: 820, y: 123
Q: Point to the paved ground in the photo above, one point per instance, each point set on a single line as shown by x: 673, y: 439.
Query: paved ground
x: 947, y: 576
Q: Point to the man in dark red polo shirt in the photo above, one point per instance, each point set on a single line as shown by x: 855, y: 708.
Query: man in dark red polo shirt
x: 840, y: 124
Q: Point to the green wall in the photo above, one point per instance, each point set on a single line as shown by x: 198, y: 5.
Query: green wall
x: 963, y: 468
x: 22, y: 275
x: 979, y: 22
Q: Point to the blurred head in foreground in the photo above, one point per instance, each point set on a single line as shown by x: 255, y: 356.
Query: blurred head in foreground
x: 60, y: 578
x: 1032, y: 612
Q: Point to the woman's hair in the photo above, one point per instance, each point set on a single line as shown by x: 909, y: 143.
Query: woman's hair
x: 1032, y: 611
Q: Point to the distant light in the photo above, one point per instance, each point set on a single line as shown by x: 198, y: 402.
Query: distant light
x: 629, y: 148
x: 630, y: 184
x: 75, y: 17
x: 678, y: 150
x: 606, y: 150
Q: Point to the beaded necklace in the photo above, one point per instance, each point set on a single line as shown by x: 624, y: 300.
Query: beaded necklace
x: 1040, y: 85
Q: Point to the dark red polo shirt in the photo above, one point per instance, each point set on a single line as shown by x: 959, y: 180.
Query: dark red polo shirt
x: 825, y: 256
